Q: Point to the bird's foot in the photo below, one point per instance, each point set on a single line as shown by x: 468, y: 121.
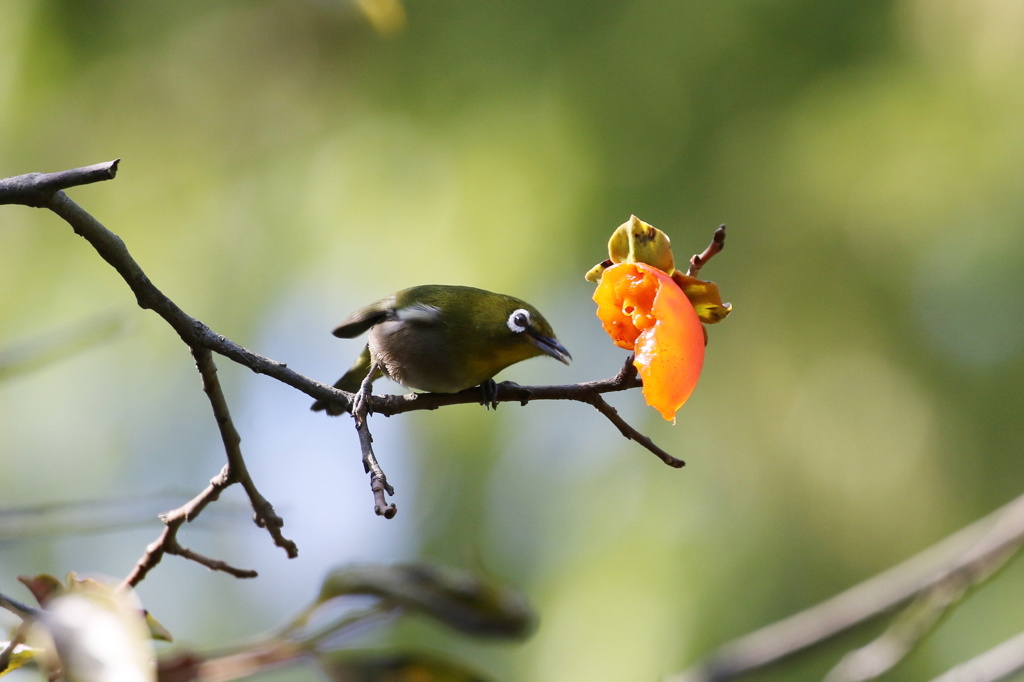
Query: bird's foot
x: 489, y: 394
x: 361, y: 402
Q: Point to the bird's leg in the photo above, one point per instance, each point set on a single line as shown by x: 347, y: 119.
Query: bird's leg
x: 489, y: 394
x: 378, y: 481
x: 361, y: 404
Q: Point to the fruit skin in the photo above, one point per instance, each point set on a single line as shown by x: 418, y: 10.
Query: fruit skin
x: 644, y: 310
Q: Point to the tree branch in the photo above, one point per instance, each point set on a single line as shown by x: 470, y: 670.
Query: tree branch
x: 998, y: 663
x: 916, y: 621
x: 18, y: 638
x: 45, y: 190
x: 237, y: 472
x: 193, y: 332
x: 167, y: 543
x: 698, y: 261
x: 35, y: 189
x: 23, y: 611
x: 964, y: 553
x: 379, y: 485
x: 196, y: 334
x: 506, y: 391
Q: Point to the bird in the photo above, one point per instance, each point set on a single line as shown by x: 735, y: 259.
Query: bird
x: 443, y: 339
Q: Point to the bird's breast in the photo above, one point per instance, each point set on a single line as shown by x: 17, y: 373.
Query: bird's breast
x: 419, y: 356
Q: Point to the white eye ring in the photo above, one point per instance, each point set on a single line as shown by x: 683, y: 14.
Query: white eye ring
x: 519, y: 321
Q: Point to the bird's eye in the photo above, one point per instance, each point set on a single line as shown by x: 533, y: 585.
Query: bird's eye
x: 519, y: 320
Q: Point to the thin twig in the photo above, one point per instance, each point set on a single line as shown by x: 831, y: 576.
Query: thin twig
x: 507, y: 391
x: 5, y: 655
x: 998, y: 663
x: 632, y: 434
x: 265, y: 517
x: 1000, y: 532
x: 211, y: 563
x: 17, y: 608
x: 235, y: 471
x: 916, y: 622
x: 378, y: 481
x: 249, y: 662
x: 17, y: 639
x: 697, y: 261
x: 167, y: 543
x: 193, y: 332
x: 884, y: 652
x: 28, y: 616
x: 35, y: 189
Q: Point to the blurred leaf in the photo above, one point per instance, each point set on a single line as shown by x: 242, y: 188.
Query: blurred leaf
x: 349, y: 667
x: 156, y: 630
x: 387, y: 16
x: 21, y: 655
x: 706, y: 300
x: 43, y: 587
x: 457, y: 599
x: 99, y: 634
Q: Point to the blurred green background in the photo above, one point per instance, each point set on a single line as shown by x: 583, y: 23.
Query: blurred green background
x: 285, y: 162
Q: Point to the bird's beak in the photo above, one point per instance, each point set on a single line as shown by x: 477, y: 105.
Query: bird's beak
x: 552, y: 347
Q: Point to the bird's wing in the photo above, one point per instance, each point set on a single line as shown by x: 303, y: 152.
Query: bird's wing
x: 364, y: 318
x: 419, y: 313
x: 375, y: 313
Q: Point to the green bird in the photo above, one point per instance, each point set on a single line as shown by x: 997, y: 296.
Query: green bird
x: 444, y: 339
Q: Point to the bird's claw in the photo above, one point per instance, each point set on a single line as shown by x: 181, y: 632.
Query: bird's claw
x: 489, y: 394
x: 361, y: 402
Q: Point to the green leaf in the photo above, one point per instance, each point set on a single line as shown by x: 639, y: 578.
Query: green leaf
x: 399, y: 667
x: 21, y: 655
x: 457, y: 599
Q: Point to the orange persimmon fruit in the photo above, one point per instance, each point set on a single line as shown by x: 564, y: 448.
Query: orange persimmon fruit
x: 644, y: 310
